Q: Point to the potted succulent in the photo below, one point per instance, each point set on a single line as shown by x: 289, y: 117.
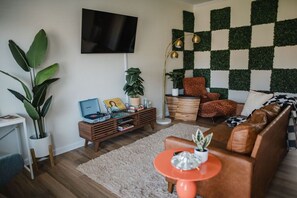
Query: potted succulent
x: 134, y: 86
x: 35, y: 100
x: 176, y: 77
x: 202, y: 142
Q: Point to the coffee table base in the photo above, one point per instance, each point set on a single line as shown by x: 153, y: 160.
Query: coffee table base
x: 186, y: 189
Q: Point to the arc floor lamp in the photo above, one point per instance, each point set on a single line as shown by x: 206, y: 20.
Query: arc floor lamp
x: 169, y: 52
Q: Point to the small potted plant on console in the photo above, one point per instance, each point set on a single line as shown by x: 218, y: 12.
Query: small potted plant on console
x: 202, y: 142
x: 176, y: 77
x: 134, y: 86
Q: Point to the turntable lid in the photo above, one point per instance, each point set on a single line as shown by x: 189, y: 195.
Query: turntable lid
x: 90, y: 106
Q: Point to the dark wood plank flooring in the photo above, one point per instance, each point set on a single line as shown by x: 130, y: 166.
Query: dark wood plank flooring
x: 64, y: 180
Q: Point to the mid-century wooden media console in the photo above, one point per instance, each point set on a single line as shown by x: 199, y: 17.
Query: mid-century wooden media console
x: 101, y: 131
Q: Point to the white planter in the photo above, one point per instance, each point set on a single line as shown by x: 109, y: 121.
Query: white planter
x: 175, y: 92
x: 40, y: 146
x: 201, y: 155
x: 135, y: 102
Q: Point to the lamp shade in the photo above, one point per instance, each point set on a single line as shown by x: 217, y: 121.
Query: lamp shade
x: 178, y: 43
x: 196, y: 39
x: 173, y: 54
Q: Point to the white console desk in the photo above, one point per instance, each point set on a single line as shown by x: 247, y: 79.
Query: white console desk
x: 20, y: 122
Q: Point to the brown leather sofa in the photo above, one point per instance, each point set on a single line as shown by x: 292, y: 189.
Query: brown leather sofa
x: 242, y: 175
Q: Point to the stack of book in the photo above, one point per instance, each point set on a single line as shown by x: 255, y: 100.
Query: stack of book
x: 125, y: 127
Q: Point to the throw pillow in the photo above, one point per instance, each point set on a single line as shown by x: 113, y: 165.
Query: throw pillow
x: 254, y: 101
x: 243, y: 136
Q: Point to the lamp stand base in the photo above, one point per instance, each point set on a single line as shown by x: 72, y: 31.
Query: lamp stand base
x: 163, y: 121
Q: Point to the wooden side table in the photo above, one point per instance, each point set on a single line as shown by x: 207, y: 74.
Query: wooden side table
x: 186, y: 180
x: 183, y: 107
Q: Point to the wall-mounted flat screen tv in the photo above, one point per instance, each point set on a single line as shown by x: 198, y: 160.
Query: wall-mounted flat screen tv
x: 104, y: 32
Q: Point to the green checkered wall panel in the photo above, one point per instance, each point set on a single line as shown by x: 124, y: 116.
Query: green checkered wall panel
x: 285, y: 32
x: 188, y: 21
x: 264, y: 11
x: 284, y: 80
x: 205, y: 43
x: 219, y: 60
x: 239, y: 79
x: 240, y: 37
x: 220, y: 19
x: 261, y: 58
x: 236, y: 59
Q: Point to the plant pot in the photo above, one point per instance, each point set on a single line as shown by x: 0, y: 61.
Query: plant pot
x: 175, y: 92
x: 40, y: 146
x: 202, y: 155
x: 135, y: 102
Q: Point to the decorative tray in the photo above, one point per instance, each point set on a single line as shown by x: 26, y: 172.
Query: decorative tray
x: 185, y: 161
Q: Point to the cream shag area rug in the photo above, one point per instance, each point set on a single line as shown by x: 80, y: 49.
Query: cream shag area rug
x: 129, y: 171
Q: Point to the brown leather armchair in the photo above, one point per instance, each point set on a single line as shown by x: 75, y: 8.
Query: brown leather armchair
x: 195, y: 86
x: 210, y: 105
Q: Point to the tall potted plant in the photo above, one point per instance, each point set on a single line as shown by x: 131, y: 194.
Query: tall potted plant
x: 34, y: 99
x: 176, y: 77
x: 134, y: 85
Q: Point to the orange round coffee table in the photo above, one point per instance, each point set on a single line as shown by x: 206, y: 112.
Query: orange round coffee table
x: 186, y: 179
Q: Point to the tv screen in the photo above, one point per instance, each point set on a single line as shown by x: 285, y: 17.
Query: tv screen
x: 104, y: 32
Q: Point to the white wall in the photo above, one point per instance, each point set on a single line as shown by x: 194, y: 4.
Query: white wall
x: 83, y: 76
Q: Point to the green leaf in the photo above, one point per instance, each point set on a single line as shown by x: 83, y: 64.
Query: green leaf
x: 32, y: 112
x: 39, y: 95
x: 46, y: 74
x: 37, y: 51
x: 46, y: 106
x: 26, y: 89
x: 17, y: 95
x: 40, y: 92
x: 19, y: 55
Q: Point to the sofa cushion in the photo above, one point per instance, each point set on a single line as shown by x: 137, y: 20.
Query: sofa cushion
x: 243, y: 136
x: 271, y: 111
x: 254, y: 101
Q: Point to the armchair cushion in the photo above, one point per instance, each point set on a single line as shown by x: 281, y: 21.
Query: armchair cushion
x: 195, y: 87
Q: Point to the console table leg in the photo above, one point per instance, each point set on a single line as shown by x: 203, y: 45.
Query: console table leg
x: 152, y: 125
x: 170, y: 187
x: 86, y: 143
x: 97, y: 146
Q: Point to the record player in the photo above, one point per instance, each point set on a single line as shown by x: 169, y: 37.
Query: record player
x: 90, y: 111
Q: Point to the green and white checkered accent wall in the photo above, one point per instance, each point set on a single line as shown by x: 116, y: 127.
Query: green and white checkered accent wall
x: 260, y: 56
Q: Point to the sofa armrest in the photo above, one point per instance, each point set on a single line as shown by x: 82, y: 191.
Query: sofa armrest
x: 213, y: 96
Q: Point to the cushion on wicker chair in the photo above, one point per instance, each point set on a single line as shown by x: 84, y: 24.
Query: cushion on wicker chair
x: 218, y: 108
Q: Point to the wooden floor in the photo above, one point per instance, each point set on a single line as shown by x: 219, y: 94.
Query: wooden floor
x: 64, y: 180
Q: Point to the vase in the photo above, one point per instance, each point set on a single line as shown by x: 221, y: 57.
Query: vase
x: 202, y: 155
x: 40, y: 146
x: 175, y: 92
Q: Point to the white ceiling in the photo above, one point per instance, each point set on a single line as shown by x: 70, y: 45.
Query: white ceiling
x: 193, y: 2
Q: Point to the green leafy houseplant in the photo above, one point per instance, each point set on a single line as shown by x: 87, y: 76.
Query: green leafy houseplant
x: 201, y: 141
x: 176, y: 77
x: 134, y: 83
x: 34, y: 100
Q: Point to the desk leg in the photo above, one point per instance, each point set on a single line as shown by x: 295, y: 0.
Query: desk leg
x: 186, y: 189
x: 27, y: 148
